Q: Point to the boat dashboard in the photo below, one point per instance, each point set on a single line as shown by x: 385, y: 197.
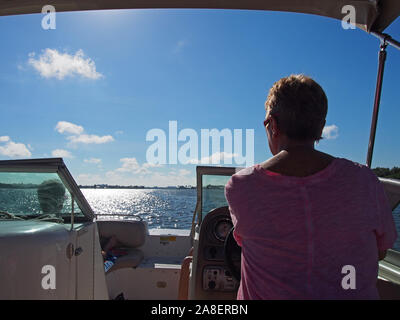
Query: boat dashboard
x: 212, y: 278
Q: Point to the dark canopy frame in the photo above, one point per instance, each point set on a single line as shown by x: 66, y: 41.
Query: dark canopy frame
x: 371, y: 15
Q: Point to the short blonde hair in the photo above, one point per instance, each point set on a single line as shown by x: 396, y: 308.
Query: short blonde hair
x: 299, y: 105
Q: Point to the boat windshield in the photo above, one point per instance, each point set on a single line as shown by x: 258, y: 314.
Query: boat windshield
x: 33, y: 194
x: 213, y: 195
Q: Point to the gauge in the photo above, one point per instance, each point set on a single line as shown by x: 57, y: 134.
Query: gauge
x: 222, y: 228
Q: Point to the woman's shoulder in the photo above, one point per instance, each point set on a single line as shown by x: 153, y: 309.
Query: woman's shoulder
x: 245, y: 172
x: 351, y: 167
x: 242, y: 176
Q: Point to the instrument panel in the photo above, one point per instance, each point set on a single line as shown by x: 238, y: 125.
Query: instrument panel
x: 216, y: 230
x: 213, y: 280
x: 222, y: 228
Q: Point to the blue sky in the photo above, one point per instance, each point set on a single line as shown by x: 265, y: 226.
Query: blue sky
x: 91, y: 89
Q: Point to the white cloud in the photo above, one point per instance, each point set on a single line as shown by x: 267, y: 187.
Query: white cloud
x: 12, y: 149
x: 68, y: 127
x: 151, y: 179
x: 89, y: 179
x: 184, y: 172
x: 93, y: 160
x: 151, y: 165
x: 60, y: 153
x: 132, y: 172
x: 330, y: 132
x: 75, y: 134
x: 53, y: 64
x: 131, y: 165
x: 170, y: 179
x: 215, y: 158
x: 90, y: 138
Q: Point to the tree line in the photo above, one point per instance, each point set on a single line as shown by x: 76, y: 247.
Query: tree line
x: 393, y: 173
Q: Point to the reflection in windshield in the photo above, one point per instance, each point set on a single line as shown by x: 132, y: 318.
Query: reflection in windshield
x: 32, y: 193
x: 51, y: 195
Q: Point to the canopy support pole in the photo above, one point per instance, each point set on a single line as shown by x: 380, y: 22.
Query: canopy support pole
x: 387, y: 39
x: 378, y: 92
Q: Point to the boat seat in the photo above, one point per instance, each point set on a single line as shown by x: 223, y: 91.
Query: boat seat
x: 130, y: 235
x: 130, y: 260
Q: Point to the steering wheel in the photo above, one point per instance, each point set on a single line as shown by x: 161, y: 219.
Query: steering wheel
x: 232, y: 249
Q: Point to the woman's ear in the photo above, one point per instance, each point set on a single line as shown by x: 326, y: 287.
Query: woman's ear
x: 274, y: 126
x: 322, y: 128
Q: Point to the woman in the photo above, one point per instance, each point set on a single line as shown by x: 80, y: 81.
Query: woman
x: 311, y: 226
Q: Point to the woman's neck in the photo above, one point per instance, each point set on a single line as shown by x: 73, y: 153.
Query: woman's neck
x: 298, y: 161
x: 296, y: 146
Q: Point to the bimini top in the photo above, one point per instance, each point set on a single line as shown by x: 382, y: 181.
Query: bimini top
x: 371, y: 15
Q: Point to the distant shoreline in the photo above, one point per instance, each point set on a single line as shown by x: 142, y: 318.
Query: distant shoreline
x: 133, y: 187
x: 22, y: 186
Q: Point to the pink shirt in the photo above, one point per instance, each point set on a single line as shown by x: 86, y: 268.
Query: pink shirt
x: 297, y: 233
